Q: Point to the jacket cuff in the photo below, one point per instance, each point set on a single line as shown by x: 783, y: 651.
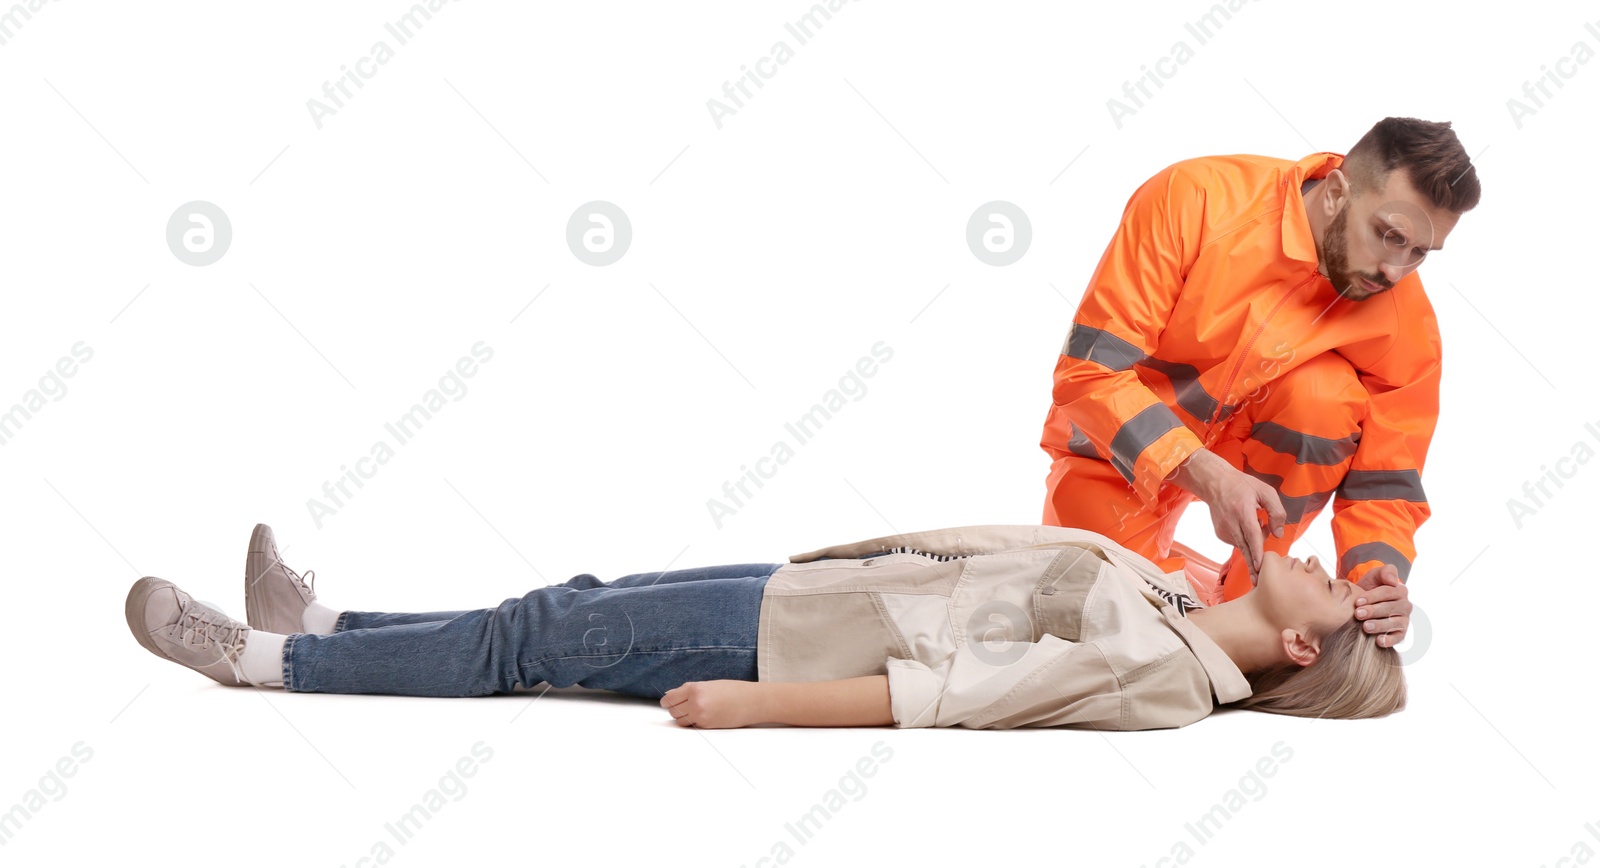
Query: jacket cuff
x: 913, y: 693
x: 1160, y: 459
x: 1355, y: 562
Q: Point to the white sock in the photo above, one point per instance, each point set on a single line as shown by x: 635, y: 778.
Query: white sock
x: 261, y: 662
x: 319, y: 618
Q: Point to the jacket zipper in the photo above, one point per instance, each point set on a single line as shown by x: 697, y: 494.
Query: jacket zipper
x: 1226, y: 389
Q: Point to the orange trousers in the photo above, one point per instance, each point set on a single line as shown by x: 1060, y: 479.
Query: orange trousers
x: 1298, y: 434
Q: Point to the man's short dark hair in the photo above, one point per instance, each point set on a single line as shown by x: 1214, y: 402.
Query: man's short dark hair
x: 1428, y: 152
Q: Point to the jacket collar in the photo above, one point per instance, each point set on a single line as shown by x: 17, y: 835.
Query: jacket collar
x: 1227, y: 682
x: 1297, y: 240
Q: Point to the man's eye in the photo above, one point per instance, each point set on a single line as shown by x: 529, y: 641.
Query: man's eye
x: 1384, y: 234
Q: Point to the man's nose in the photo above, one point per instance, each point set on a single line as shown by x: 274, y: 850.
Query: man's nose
x: 1392, y: 273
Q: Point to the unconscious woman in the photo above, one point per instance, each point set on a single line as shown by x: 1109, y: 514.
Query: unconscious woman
x: 985, y: 627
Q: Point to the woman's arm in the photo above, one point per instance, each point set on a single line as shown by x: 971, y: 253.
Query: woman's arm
x: 862, y: 701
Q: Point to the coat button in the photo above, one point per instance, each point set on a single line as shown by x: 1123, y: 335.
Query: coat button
x: 1048, y: 591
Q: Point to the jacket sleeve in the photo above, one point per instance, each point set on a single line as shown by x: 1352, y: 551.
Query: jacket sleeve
x: 1053, y: 683
x: 1380, y: 504
x: 1119, y: 321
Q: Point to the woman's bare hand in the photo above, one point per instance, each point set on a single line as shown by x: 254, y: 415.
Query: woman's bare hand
x: 723, y: 704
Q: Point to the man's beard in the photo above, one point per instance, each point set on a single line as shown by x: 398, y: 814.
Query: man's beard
x: 1335, y: 258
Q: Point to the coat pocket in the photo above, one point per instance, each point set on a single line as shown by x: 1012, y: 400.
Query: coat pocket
x: 1063, y: 591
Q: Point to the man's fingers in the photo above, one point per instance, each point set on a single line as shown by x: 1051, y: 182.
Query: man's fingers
x: 1238, y: 543
x: 1390, y: 610
x: 1380, y: 576
x: 1252, y: 540
x: 1391, y: 638
x: 1380, y: 594
x: 1371, y: 578
x: 1386, y: 625
x: 1391, y: 624
x: 1395, y: 609
x: 1276, y: 514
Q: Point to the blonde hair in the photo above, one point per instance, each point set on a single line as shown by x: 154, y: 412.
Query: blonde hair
x: 1351, y: 678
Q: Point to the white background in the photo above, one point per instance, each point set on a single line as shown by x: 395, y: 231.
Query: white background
x: 769, y: 255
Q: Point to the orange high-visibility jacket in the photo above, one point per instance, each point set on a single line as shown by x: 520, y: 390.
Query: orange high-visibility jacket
x: 1209, y: 291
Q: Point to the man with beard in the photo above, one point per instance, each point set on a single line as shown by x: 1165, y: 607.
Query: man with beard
x: 1256, y: 336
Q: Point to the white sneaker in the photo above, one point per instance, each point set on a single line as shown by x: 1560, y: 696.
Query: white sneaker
x: 175, y: 626
x: 275, y: 597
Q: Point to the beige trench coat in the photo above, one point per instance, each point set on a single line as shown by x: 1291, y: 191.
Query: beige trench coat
x: 998, y: 626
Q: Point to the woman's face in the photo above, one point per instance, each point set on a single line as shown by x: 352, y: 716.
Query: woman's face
x: 1301, y: 594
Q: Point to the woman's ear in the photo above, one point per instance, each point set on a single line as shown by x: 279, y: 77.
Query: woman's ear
x: 1299, y: 647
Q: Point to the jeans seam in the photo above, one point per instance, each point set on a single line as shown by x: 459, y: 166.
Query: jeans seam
x: 288, y: 650
x: 339, y: 622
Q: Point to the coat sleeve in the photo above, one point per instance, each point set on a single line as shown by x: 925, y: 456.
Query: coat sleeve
x: 1054, y: 682
x: 1119, y: 320
x: 1380, y: 504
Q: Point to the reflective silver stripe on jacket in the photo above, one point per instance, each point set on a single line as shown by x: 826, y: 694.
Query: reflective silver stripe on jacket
x: 1138, y: 433
x: 1378, y: 551
x: 1306, y: 448
x: 1185, y: 380
x: 1101, y: 347
x: 1080, y: 444
x: 1104, y: 348
x: 1295, y: 506
x: 1383, y: 485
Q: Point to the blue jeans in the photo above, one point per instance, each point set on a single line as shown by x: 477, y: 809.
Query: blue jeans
x: 642, y: 634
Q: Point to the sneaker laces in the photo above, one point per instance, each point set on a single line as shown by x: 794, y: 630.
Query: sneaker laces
x: 203, y: 627
x: 307, y: 585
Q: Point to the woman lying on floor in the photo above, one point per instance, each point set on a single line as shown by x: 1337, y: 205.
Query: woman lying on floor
x: 993, y: 626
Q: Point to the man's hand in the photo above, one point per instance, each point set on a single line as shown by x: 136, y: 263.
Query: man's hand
x: 723, y: 704
x: 1386, y: 606
x: 1233, y: 496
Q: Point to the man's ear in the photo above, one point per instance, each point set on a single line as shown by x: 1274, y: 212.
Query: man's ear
x: 1337, y: 193
x: 1300, y: 648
